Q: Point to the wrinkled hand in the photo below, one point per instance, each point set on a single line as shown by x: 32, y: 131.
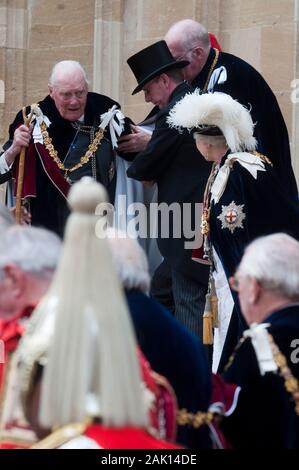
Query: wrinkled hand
x: 25, y: 215
x: 135, y: 142
x: 21, y: 138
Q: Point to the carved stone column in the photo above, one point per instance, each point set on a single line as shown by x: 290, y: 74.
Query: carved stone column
x: 108, y: 48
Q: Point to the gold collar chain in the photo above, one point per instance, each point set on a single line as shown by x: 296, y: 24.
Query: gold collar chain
x: 211, y: 70
x: 291, y: 383
x: 205, y: 218
x: 196, y: 420
x: 92, y: 148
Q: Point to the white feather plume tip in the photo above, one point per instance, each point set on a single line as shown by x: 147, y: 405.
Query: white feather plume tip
x: 215, y: 109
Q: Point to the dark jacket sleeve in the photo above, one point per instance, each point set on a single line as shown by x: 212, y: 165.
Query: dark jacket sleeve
x: 5, y: 177
x: 150, y: 164
x: 8, y: 174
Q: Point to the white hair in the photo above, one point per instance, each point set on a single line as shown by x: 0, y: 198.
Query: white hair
x: 92, y: 368
x: 6, y: 219
x: 130, y: 261
x: 274, y: 261
x: 65, y: 69
x: 35, y: 250
x: 215, y: 140
x: 196, y: 110
x: 190, y: 33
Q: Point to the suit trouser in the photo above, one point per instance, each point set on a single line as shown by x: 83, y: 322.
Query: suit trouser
x: 161, y: 286
x: 189, y: 299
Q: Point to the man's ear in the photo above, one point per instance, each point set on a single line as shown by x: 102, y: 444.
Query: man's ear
x: 164, y: 78
x: 16, y: 279
x: 50, y: 88
x: 198, y: 52
x: 255, y: 291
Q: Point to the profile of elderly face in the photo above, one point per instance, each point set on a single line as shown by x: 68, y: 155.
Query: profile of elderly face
x: 69, y: 92
x: 212, y: 148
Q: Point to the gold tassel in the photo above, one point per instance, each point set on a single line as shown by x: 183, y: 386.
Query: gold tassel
x: 207, y: 322
x: 214, y: 310
x: 214, y: 303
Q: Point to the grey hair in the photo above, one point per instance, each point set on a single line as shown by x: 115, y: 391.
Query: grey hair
x: 130, y: 261
x: 191, y: 34
x: 6, y: 219
x: 215, y: 140
x: 274, y: 261
x: 66, y: 68
x: 34, y: 250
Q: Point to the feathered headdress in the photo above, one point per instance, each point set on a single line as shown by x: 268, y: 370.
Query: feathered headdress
x: 197, y: 111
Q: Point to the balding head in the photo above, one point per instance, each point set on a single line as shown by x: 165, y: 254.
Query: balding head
x: 189, y: 40
x: 65, y: 71
x: 188, y: 33
x: 68, y: 89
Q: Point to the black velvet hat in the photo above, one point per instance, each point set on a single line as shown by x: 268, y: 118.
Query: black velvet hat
x: 151, y: 62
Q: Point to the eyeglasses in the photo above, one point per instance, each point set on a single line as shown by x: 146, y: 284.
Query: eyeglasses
x: 68, y: 95
x: 186, y: 52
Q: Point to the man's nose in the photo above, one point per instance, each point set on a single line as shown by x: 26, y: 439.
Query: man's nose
x: 74, y: 99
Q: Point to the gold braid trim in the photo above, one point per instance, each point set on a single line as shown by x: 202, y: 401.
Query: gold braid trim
x: 232, y: 357
x: 263, y: 157
x: 3, y: 388
x: 211, y: 70
x: 9, y: 437
x: 196, y: 420
x: 92, y: 148
x: 291, y: 384
x: 61, y: 436
x: 205, y: 217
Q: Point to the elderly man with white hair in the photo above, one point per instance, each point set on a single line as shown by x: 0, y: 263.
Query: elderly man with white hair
x: 70, y: 139
x: 265, y: 364
x: 28, y: 258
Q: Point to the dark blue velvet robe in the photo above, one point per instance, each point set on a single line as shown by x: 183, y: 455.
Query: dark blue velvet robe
x: 267, y: 209
x: 265, y: 416
x: 176, y: 353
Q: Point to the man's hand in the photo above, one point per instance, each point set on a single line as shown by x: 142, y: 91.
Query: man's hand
x: 25, y: 215
x: 21, y: 138
x: 135, y: 142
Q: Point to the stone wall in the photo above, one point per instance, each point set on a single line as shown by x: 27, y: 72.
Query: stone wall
x: 101, y: 34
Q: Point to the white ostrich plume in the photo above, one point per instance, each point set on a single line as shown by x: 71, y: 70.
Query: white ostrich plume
x: 196, y: 111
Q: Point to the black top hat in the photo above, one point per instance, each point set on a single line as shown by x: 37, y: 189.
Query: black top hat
x: 151, y: 62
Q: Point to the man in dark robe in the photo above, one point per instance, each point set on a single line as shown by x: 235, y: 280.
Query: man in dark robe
x: 211, y: 70
x: 51, y: 166
x: 171, y: 349
x: 171, y: 160
x: 265, y: 363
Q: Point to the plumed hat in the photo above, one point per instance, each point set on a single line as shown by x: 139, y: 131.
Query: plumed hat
x: 151, y: 62
x: 210, y: 112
